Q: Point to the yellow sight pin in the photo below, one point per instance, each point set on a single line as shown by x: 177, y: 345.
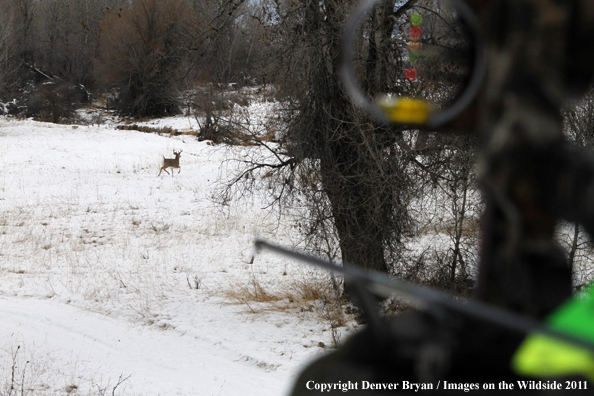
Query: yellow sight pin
x: 405, y: 110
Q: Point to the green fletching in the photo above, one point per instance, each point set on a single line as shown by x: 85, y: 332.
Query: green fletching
x: 540, y: 355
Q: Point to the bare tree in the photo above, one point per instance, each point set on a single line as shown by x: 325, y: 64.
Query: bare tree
x: 148, y: 50
x: 66, y: 36
x: 352, y: 172
x: 354, y: 186
x: 142, y: 55
x: 579, y: 129
x: 455, y: 206
x: 8, y: 46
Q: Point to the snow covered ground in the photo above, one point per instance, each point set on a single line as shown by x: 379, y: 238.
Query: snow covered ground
x: 112, y: 277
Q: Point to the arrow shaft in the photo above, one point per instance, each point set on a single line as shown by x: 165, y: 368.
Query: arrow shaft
x: 385, y: 286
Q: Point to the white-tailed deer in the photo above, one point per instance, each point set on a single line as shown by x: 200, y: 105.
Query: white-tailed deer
x: 171, y: 163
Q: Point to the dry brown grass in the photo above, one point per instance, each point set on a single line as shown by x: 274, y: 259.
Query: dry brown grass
x: 252, y: 291
x: 291, y: 292
x: 313, y: 294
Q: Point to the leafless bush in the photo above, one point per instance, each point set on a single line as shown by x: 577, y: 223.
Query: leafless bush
x: 53, y: 101
x: 223, y: 118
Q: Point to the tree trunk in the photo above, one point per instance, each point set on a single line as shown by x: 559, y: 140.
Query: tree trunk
x: 357, y: 207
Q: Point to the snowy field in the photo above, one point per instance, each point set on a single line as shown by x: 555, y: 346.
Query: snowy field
x: 114, y: 278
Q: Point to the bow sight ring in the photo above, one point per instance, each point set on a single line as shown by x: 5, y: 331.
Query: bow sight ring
x: 407, y: 110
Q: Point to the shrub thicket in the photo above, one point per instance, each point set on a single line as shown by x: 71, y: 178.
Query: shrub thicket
x: 144, y: 55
